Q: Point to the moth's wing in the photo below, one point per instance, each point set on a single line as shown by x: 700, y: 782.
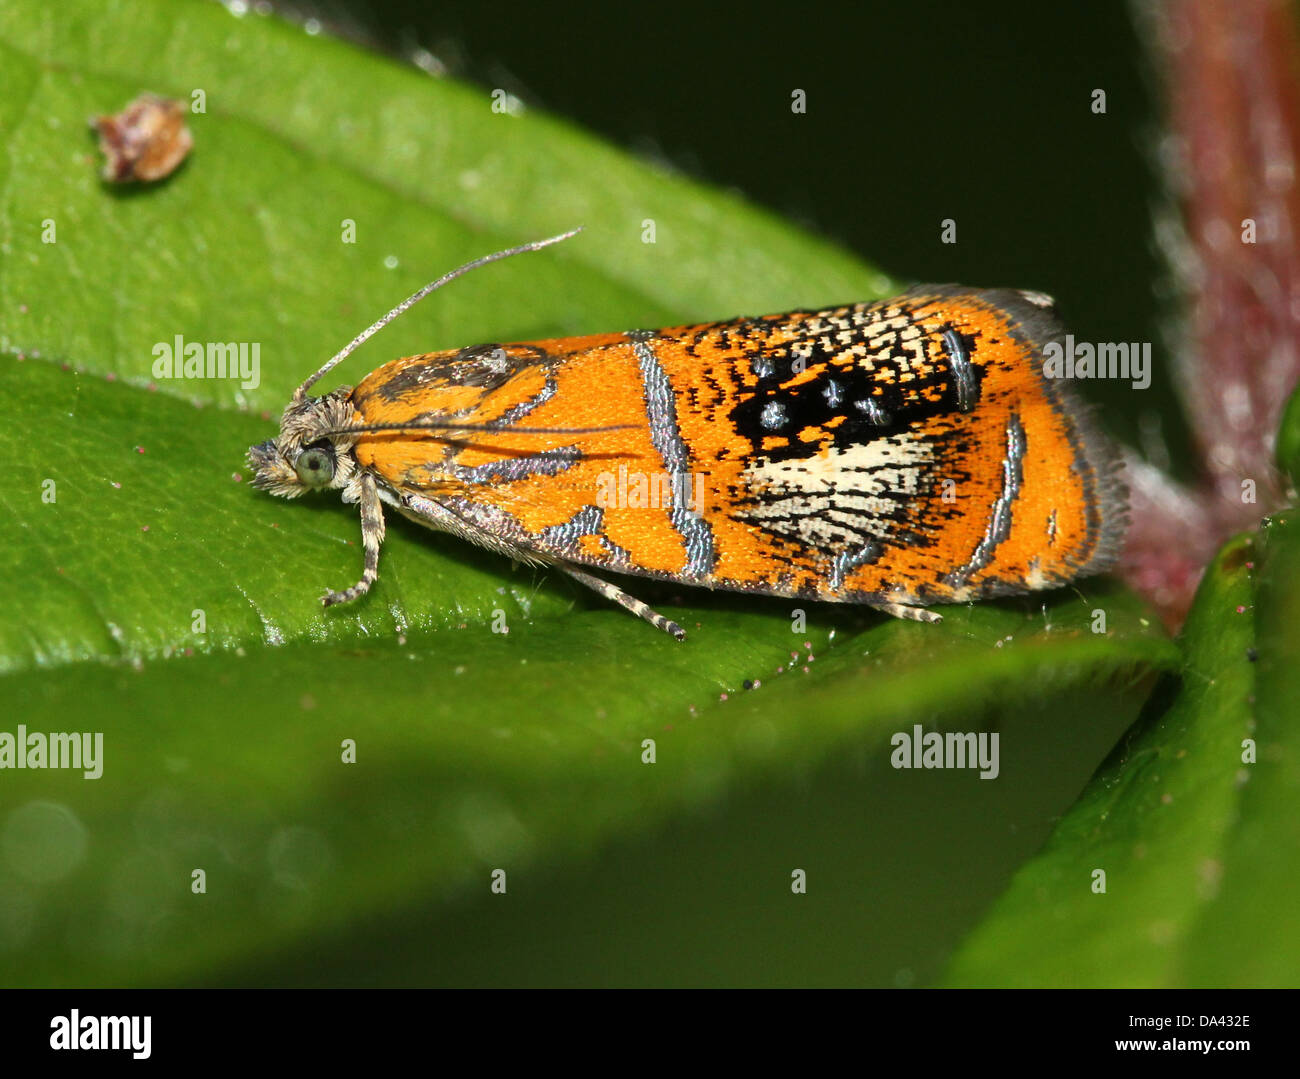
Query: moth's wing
x: 910, y: 450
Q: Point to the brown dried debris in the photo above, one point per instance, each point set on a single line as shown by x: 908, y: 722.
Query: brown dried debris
x: 145, y: 142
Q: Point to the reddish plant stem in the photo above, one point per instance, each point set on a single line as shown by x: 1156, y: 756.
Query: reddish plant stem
x: 1231, y: 73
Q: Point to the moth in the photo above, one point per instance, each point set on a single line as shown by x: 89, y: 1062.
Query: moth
x: 898, y: 454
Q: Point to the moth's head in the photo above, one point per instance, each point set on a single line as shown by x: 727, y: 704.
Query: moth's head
x: 313, y: 451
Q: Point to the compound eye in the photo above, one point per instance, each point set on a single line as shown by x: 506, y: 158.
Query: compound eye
x: 315, y: 467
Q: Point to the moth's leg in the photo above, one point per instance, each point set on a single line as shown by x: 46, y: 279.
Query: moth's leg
x: 372, y: 535
x: 620, y: 597
x: 902, y: 610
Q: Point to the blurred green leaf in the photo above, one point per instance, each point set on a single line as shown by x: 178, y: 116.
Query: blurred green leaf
x: 223, y: 729
x: 1192, y: 820
x: 478, y: 751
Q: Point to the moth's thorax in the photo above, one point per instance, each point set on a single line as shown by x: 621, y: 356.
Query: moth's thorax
x: 489, y: 385
x: 309, y: 424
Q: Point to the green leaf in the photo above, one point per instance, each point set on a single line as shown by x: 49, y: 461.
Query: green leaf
x: 1192, y: 820
x: 1288, y: 441
x: 521, y: 751
x: 1261, y: 862
x: 156, y: 599
x: 244, y: 244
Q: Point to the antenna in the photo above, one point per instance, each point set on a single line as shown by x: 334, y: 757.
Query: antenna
x: 416, y: 297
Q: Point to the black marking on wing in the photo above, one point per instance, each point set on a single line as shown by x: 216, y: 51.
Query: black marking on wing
x: 868, y: 405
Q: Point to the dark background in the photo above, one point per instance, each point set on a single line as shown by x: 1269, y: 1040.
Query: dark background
x: 916, y: 112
